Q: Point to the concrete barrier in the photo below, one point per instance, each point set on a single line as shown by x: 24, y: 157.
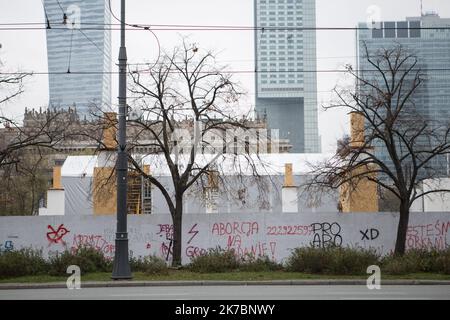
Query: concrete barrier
x: 272, y: 235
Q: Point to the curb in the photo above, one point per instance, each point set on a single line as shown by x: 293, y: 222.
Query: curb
x: 118, y: 284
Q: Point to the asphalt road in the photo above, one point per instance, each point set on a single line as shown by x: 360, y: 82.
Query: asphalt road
x: 322, y: 292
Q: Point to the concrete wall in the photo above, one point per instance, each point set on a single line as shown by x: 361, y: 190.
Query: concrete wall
x: 274, y: 235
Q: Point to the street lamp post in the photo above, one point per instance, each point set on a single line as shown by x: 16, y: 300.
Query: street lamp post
x: 121, y: 269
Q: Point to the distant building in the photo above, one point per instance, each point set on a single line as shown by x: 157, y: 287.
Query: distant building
x: 431, y: 47
x: 84, y: 134
x: 286, y: 82
x: 79, y: 60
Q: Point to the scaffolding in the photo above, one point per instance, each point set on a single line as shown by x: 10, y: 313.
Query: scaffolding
x: 139, y: 194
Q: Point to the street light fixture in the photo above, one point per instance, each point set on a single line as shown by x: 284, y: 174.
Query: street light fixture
x: 121, y: 269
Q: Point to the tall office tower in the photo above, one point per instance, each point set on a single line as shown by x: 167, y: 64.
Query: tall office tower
x: 286, y: 82
x: 79, y: 54
x: 431, y: 46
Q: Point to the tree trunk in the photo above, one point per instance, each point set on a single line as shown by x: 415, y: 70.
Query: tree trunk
x: 400, y: 244
x: 177, y: 218
x: 33, y: 196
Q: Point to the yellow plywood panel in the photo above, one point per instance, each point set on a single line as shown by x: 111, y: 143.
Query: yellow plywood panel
x: 361, y: 197
x: 104, y: 191
x: 57, y: 178
x: 288, y: 178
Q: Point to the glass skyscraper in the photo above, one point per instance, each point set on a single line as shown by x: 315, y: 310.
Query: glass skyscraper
x: 286, y: 81
x: 79, y: 55
x: 418, y: 36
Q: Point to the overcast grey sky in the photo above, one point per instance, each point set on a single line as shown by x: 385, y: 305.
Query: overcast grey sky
x: 26, y: 50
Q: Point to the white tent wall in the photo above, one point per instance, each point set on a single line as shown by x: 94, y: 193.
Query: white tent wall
x: 78, y: 195
x: 77, y: 180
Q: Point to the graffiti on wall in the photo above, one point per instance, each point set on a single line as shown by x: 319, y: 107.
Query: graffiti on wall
x: 6, y: 246
x: 431, y: 235
x: 245, y: 238
x: 290, y: 230
x: 326, y: 234
x: 193, y: 251
x: 94, y: 241
x: 56, y: 236
x: 369, y: 234
x: 273, y: 235
x: 166, y: 234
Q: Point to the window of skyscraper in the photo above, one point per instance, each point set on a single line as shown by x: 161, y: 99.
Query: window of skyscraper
x: 378, y: 33
x: 414, y: 29
x: 402, y: 29
x: 389, y: 29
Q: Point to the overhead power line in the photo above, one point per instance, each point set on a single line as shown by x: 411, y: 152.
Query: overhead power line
x: 70, y: 52
x: 47, y: 20
x: 60, y: 6
x: 93, y: 26
x: 232, y: 71
x: 91, y: 41
x: 139, y: 27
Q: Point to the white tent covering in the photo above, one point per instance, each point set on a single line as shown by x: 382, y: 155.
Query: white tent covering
x: 76, y: 178
x: 229, y: 164
x: 77, y: 171
x: 79, y: 166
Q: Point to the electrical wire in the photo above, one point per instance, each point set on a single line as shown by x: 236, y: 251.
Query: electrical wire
x: 70, y: 52
x: 46, y: 16
x: 252, y: 60
x: 146, y: 28
x: 59, y: 4
x: 181, y: 27
x: 89, y: 39
x: 215, y: 29
x: 238, y: 71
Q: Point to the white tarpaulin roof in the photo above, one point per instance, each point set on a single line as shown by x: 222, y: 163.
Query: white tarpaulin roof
x: 228, y: 164
x: 79, y: 166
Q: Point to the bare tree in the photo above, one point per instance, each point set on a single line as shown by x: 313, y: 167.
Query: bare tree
x: 400, y: 147
x: 23, y: 183
x: 24, y: 147
x: 14, y: 136
x: 45, y: 133
x: 185, y: 101
x: 11, y: 85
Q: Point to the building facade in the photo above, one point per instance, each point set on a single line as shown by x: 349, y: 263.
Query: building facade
x: 79, y: 54
x: 428, y: 39
x: 286, y: 80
